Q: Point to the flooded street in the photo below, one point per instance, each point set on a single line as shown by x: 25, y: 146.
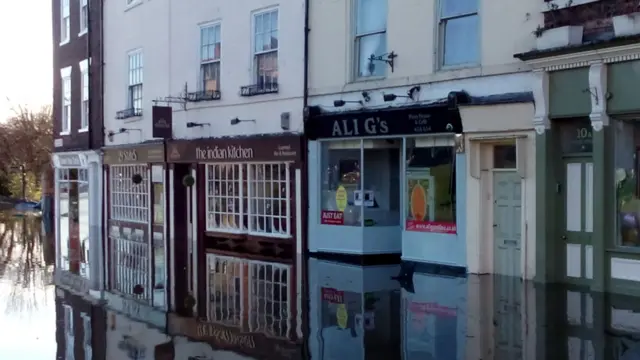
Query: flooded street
x: 352, y: 312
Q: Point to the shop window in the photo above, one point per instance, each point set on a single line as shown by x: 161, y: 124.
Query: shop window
x: 73, y: 189
x: 627, y: 147
x: 69, y: 333
x: 431, y: 185
x: 269, y: 299
x: 129, y: 201
x: 504, y: 157
x: 352, y: 192
x: 225, y: 295
x: 88, y: 349
x: 253, y: 198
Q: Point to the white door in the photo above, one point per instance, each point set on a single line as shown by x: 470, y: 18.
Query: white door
x: 506, y: 223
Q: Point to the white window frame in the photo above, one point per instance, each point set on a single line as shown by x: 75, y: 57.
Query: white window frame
x: 217, y: 26
x: 256, y: 54
x: 87, y: 342
x: 84, y: 104
x: 65, y: 22
x: 356, y: 45
x: 223, y: 273
x: 65, y: 111
x: 84, y: 17
x: 442, y: 23
x: 262, y: 317
x: 128, y: 199
x: 69, y: 334
x: 135, y: 82
x: 241, y: 174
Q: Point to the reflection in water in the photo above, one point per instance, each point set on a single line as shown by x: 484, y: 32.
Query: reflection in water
x: 26, y: 299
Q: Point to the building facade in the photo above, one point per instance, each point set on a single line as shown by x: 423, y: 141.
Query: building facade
x: 405, y: 124
x: 77, y: 132
x: 585, y: 67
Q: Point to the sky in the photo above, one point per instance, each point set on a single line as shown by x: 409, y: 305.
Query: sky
x: 26, y: 60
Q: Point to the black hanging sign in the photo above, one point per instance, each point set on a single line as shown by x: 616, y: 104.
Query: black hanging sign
x: 162, y: 120
x: 390, y: 121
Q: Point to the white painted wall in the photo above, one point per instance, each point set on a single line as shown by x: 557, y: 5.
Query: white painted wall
x: 412, y: 33
x: 169, y: 33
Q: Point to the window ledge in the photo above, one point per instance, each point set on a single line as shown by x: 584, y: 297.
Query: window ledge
x: 63, y: 133
x: 132, y: 119
x: 134, y: 4
x: 270, y: 235
x: 83, y: 130
x: 83, y: 32
x: 471, y: 66
x: 65, y: 42
x: 561, y: 4
x: 624, y: 250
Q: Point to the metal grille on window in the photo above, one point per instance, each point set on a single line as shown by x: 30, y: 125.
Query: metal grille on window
x: 225, y: 289
x: 269, y: 299
x: 68, y: 332
x: 129, y: 201
x: 269, y: 196
x: 225, y: 205
x: 131, y: 263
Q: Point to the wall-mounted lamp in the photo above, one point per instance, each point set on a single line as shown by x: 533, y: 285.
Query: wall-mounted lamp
x: 195, y: 124
x: 366, y: 96
x: 236, y: 121
x: 388, y: 59
x: 340, y: 103
x: 111, y: 134
x: 411, y: 93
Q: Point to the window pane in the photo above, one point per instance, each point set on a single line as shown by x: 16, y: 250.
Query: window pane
x: 267, y: 65
x: 504, y: 156
x: 431, y: 189
x: 211, y: 76
x: 372, y: 16
x: 461, y: 41
x: 626, y: 179
x: 380, y: 198
x: 257, y: 28
x: 450, y: 8
x: 340, y: 182
x: 371, y: 45
x: 274, y: 20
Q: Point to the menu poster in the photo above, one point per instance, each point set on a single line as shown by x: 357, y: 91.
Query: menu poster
x: 420, y: 214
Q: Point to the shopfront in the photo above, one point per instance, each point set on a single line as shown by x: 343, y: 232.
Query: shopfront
x: 239, y: 196
x: 388, y: 181
x: 135, y: 230
x: 587, y: 168
x: 77, y: 204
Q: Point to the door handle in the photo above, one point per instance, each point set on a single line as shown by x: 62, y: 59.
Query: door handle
x: 564, y: 237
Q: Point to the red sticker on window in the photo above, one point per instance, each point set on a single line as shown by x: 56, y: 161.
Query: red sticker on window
x: 332, y: 217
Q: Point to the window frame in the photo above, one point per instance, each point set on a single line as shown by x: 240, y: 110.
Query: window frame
x: 87, y: 341
x: 135, y: 86
x: 66, y: 100
x: 217, y: 26
x: 84, y: 100
x: 259, y: 319
x: 84, y: 17
x: 69, y: 334
x: 256, y: 54
x: 356, y: 37
x: 441, y: 36
x: 65, y: 21
x: 246, y: 213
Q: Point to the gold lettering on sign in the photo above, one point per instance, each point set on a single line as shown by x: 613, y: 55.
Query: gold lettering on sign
x: 127, y: 155
x: 284, y: 150
x: 226, y: 337
x: 223, y: 153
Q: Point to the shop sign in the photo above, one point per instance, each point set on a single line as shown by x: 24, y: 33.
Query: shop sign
x: 70, y: 160
x: 134, y: 155
x: 72, y: 282
x: 394, y: 121
x: 259, y: 148
x: 162, y: 121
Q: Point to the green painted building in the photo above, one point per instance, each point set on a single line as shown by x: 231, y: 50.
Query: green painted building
x: 587, y: 120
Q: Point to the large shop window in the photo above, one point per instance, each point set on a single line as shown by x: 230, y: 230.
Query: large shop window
x: 137, y: 233
x: 361, y: 182
x: 627, y: 149
x: 430, y: 185
x: 253, y: 198
x: 73, y: 189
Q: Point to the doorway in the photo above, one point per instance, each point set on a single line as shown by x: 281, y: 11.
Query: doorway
x: 577, y: 220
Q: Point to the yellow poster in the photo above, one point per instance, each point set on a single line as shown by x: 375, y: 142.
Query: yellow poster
x: 341, y: 198
x: 342, y: 316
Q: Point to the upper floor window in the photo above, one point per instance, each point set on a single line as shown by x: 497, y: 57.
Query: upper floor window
x: 459, y: 28
x: 84, y: 119
x: 136, y: 66
x: 265, y: 40
x: 65, y: 23
x: 84, y: 16
x: 210, y: 58
x: 65, y: 75
x: 370, y: 36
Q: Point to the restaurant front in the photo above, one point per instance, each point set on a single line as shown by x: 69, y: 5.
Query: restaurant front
x: 388, y: 182
x: 135, y: 230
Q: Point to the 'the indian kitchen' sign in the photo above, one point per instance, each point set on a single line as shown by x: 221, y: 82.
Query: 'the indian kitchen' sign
x: 394, y: 121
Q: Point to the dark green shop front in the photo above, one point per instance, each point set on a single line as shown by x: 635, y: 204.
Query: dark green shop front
x: 588, y: 189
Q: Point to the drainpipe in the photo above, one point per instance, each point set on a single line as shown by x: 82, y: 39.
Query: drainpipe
x: 304, y: 283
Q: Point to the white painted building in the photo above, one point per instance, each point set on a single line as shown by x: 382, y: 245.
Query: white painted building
x: 436, y: 48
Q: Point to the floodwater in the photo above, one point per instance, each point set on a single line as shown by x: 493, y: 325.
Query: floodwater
x: 352, y: 312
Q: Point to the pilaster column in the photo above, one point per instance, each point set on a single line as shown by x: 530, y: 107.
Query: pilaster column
x: 96, y: 265
x: 540, y: 90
